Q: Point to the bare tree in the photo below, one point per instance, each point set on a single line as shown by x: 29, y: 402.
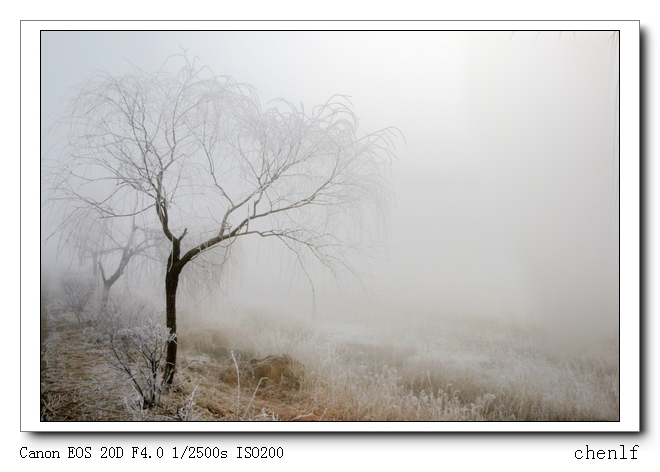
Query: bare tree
x: 195, y: 155
x: 137, y: 243
x: 110, y: 244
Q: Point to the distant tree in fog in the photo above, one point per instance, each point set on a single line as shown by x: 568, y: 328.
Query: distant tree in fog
x: 102, y: 246
x: 194, y: 155
x: 114, y: 256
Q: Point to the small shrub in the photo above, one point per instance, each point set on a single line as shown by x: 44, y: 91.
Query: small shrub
x: 77, y: 292
x: 139, y: 351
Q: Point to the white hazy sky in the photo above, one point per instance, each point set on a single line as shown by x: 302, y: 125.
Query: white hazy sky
x: 504, y: 185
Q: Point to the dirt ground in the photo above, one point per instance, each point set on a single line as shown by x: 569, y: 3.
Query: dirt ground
x: 260, y: 368
x: 78, y: 383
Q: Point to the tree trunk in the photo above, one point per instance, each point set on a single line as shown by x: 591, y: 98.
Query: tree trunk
x: 171, y: 285
x: 105, y: 293
x: 174, y: 267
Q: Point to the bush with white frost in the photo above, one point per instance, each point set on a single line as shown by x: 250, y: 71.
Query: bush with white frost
x: 139, y: 352
x: 77, y: 293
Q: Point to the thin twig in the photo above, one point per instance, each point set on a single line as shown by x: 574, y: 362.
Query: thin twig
x: 253, y: 395
x: 238, y: 379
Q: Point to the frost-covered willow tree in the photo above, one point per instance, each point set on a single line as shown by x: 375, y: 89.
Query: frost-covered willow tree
x: 101, y: 245
x: 195, y: 155
x: 114, y: 249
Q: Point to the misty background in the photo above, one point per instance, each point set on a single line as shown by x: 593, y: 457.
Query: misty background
x: 506, y: 199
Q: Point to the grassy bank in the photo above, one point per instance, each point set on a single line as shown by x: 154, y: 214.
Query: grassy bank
x: 422, y: 368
